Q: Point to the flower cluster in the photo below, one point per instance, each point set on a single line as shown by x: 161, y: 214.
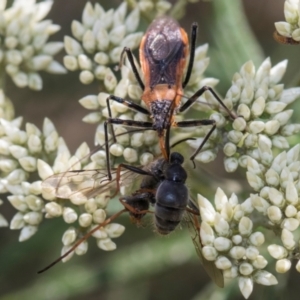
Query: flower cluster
x: 261, y: 102
x: 99, y: 41
x: 230, y: 241
x: 24, y: 49
x: 276, y: 181
x: 290, y: 28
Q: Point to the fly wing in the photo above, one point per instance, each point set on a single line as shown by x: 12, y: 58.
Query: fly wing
x: 212, y: 271
x: 86, y: 183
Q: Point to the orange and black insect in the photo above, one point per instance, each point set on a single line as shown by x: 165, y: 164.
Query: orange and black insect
x: 163, y: 54
x: 284, y: 40
x: 161, y: 185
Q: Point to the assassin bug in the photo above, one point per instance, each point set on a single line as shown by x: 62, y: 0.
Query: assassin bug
x: 163, y: 55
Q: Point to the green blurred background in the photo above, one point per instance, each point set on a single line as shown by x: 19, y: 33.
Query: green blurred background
x: 145, y: 266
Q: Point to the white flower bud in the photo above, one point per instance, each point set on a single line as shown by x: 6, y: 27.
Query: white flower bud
x: 239, y: 124
x: 85, y: 220
x: 254, y: 181
x: 114, y: 230
x: 222, y: 244
x: 20, y: 79
x: 86, y: 77
x: 33, y: 218
x: 277, y: 251
x: 283, y: 117
x: 72, y: 47
x: 8, y: 165
x: 276, y: 197
x: 227, y: 212
x: 116, y: 149
x: 28, y: 163
x: 130, y: 155
x: 257, y: 238
x: 251, y: 140
x: 100, y: 233
x: 53, y: 209
x: 110, y: 80
x: 221, y: 226
x: 16, y: 177
x: 235, y: 136
x: 271, y: 127
x: 283, y: 265
x: 206, y: 234
x: 246, y: 286
x: 290, y: 211
x: 272, y: 177
x: 274, y: 214
x: 296, y: 35
x: 17, y: 221
x: 89, y: 41
x: 256, y: 127
x: 251, y: 253
x: 137, y: 140
x: 90, y: 206
x: 230, y: 164
x: 89, y: 102
x: 280, y: 142
x: 99, y: 216
x: 210, y: 253
x: 291, y: 193
x: 290, y: 224
x: 243, y: 110
x: 245, y: 269
x: 71, y: 62
x: 146, y: 158
x: 265, y: 278
x: 117, y: 34
x: 69, y: 236
x: 259, y: 203
x: 223, y: 263
x: 245, y: 226
x: 207, y: 156
x: 81, y: 248
x: 207, y: 210
x: 258, y: 106
x: 283, y: 28
x: 78, y: 198
x: 237, y: 252
x: 101, y: 58
x: 106, y: 244
x: 132, y: 20
x: 237, y: 239
x: 260, y: 262
x: 229, y: 149
x: 84, y: 62
x: 35, y: 81
x: 102, y: 39
x: 44, y: 169
x: 27, y: 232
x: 69, y: 215
x: 273, y: 107
x: 287, y: 239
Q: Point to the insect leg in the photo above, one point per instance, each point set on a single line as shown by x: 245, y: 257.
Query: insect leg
x: 193, y: 99
x: 133, y: 66
x: 131, y: 123
x: 131, y: 168
x: 195, y: 123
x: 192, y: 54
x: 127, y: 103
x: 85, y: 237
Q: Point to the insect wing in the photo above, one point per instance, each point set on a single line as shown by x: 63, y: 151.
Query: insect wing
x: 212, y: 271
x: 85, y: 184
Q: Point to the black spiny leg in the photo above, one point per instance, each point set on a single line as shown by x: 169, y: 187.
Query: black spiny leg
x: 193, y: 99
x: 195, y: 123
x: 133, y: 66
x: 130, y: 123
x: 194, y: 30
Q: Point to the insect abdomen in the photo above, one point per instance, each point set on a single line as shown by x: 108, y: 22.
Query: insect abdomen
x: 171, y: 202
